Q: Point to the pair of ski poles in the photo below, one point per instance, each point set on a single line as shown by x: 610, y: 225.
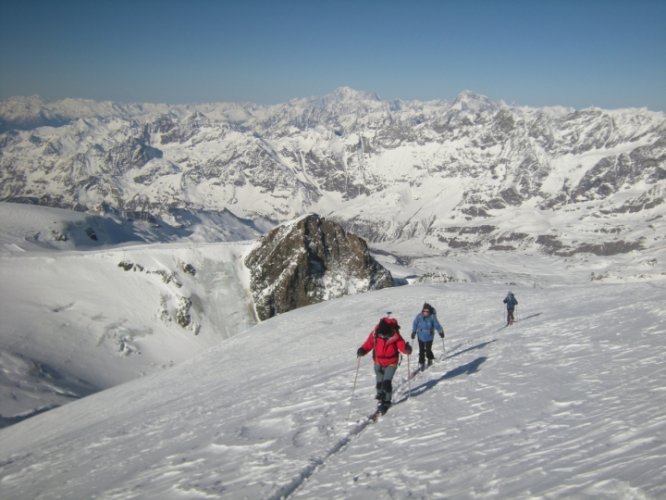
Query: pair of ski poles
x: 358, y: 365
x: 409, y: 378
x: 505, y: 311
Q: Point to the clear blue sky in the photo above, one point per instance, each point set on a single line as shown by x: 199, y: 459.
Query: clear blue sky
x: 580, y: 53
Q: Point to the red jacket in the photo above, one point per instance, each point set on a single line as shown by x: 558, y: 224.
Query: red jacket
x: 385, y: 349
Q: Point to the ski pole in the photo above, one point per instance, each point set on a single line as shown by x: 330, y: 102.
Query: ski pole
x: 409, y: 377
x: 443, y: 349
x: 358, y: 365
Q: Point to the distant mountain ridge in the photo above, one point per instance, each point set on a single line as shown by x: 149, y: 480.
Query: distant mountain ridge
x: 455, y: 175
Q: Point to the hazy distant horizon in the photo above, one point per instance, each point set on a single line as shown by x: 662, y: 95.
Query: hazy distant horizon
x: 597, y: 53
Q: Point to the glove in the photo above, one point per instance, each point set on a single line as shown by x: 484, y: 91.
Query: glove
x: 441, y: 334
x: 413, y: 335
x: 360, y: 352
x: 408, y: 348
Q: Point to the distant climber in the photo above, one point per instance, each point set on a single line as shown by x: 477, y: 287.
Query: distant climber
x: 511, y: 303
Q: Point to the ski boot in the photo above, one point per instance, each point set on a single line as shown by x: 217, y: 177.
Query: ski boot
x: 383, y: 407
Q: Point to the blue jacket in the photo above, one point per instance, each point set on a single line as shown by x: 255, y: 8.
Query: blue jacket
x: 426, y: 326
x: 510, y: 301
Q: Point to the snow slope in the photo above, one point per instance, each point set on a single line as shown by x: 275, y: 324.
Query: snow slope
x: 568, y: 402
x: 74, y: 321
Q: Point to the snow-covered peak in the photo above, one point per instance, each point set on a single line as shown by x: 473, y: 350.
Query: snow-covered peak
x: 345, y: 100
x: 468, y: 101
x: 21, y: 107
x: 350, y: 94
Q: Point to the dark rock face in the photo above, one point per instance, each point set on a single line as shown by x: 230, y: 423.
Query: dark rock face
x: 309, y: 261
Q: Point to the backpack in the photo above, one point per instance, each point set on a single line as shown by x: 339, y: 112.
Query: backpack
x: 392, y: 322
x: 387, y: 323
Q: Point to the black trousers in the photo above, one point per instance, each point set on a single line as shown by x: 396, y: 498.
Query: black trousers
x: 425, y: 351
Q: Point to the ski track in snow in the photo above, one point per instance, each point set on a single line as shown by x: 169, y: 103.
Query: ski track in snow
x: 403, y: 391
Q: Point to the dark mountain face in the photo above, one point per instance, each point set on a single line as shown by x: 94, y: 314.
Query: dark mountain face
x: 309, y: 261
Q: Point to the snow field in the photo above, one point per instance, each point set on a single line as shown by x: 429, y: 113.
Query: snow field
x: 543, y: 412
x: 76, y: 322
x: 565, y: 403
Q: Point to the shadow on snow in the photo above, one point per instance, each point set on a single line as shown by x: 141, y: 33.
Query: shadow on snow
x: 478, y: 346
x: 466, y: 369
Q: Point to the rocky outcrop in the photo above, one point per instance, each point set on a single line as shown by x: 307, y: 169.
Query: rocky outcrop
x: 308, y: 261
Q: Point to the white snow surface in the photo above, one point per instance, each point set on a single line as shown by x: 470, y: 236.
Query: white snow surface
x: 75, y: 321
x: 566, y: 403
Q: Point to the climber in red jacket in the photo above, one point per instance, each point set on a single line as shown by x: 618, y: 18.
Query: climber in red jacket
x: 386, y: 343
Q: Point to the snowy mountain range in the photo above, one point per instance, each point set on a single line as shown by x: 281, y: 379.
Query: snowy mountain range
x: 454, y: 176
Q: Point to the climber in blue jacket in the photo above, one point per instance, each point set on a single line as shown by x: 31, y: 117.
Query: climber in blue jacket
x: 424, y: 326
